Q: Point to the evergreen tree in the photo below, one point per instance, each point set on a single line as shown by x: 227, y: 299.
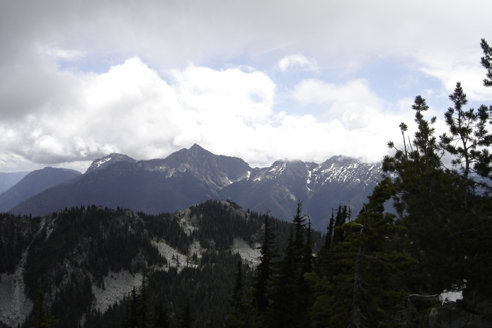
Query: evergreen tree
x: 306, y: 299
x: 131, y: 316
x: 329, y: 234
x: 44, y: 319
x: 299, y: 223
x: 237, y: 296
x: 435, y: 205
x: 242, y: 314
x: 161, y: 319
x: 284, y: 289
x: 185, y: 319
x: 469, y: 139
x: 364, y: 286
x: 144, y: 319
x: 341, y: 218
x: 422, y: 200
x: 291, y: 297
x: 264, y: 271
x: 487, y: 62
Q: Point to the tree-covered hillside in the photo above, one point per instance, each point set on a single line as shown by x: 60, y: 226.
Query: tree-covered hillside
x: 88, y: 266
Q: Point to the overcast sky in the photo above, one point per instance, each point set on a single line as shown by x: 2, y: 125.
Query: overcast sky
x: 261, y: 80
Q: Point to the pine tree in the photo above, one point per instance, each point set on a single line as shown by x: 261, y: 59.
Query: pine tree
x: 469, y: 139
x: 131, y: 317
x: 363, y: 287
x: 282, y: 313
x: 161, y: 319
x: 143, y: 316
x: 291, y: 297
x: 329, y: 234
x: 237, y: 296
x: 264, y: 271
x: 341, y: 218
x: 305, y: 299
x: 44, y: 320
x: 440, y: 237
x: 185, y: 319
x: 299, y: 223
x: 242, y: 313
x: 487, y: 62
x: 421, y: 197
x: 435, y: 205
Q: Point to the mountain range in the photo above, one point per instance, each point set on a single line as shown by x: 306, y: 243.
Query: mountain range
x: 190, y: 176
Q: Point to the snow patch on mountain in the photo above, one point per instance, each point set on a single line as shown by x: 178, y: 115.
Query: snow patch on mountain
x: 249, y: 254
x: 278, y: 168
x: 49, y: 228
x: 186, y: 222
x: 450, y: 296
x: 116, y: 285
x: 104, y: 162
x: 101, y: 162
x: 15, y: 306
x: 196, y: 248
x: 173, y: 257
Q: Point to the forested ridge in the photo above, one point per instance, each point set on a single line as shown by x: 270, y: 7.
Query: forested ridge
x: 99, y: 267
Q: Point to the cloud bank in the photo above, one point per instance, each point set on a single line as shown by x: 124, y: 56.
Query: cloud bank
x: 260, y: 80
x: 133, y: 110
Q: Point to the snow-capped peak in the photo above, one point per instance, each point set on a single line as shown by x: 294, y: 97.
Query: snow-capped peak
x: 108, y: 160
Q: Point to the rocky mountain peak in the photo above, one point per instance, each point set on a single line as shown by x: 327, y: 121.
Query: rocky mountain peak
x: 108, y: 160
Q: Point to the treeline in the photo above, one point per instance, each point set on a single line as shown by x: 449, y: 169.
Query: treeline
x: 374, y: 269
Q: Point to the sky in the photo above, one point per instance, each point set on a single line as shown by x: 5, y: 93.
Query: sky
x: 261, y: 80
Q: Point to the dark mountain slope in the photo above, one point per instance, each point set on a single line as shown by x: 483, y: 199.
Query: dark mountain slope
x: 123, y: 184
x: 34, y: 183
x: 216, y: 170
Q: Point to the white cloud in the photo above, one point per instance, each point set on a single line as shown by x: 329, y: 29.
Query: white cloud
x: 297, y: 61
x: 353, y: 103
x: 461, y: 67
x: 223, y: 95
x: 133, y: 110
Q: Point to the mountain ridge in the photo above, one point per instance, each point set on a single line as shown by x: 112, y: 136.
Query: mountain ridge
x: 87, y: 260
x: 194, y: 175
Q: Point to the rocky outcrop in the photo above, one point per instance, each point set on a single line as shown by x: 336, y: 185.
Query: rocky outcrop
x: 474, y: 311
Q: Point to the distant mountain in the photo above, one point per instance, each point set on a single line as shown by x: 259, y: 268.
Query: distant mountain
x: 214, y: 171
x: 191, y: 176
x: 7, y: 180
x: 106, y: 161
x: 321, y: 187
x: 34, y: 183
